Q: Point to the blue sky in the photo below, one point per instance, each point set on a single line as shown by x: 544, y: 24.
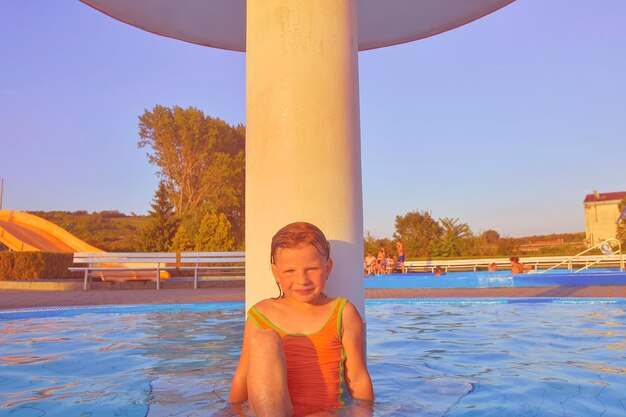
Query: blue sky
x: 505, y: 123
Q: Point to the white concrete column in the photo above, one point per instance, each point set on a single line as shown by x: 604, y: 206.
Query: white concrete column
x: 303, y: 152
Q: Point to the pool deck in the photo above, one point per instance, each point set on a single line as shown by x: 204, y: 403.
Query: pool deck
x: 10, y: 299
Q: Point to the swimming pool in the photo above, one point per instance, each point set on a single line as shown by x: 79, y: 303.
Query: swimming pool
x: 427, y: 357
x: 484, y: 279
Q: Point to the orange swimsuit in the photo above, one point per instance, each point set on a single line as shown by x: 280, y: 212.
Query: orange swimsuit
x: 315, y: 363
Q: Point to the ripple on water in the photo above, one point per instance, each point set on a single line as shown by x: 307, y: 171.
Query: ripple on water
x: 425, y: 360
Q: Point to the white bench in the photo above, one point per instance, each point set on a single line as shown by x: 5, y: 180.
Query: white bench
x: 111, y: 266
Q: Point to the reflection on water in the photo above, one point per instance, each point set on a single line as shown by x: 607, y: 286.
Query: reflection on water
x: 425, y: 360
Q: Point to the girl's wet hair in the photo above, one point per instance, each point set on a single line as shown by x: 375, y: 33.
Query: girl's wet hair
x: 298, y: 234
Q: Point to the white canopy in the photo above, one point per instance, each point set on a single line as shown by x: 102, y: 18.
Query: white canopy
x: 222, y: 23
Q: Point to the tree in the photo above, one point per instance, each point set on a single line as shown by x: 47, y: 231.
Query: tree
x: 370, y: 244
x: 417, y: 230
x: 214, y: 234
x: 508, y: 246
x: 455, y: 238
x: 200, y: 159
x: 490, y: 237
x: 485, y: 244
x: 182, y: 241
x: 158, y: 234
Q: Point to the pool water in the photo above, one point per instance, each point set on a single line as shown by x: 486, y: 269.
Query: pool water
x: 427, y: 357
x: 484, y: 279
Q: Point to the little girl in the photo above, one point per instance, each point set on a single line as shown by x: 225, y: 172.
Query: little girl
x: 302, y: 349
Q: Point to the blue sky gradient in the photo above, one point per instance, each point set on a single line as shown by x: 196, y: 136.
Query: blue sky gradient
x: 505, y: 123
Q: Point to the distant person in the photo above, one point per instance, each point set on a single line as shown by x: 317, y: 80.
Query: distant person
x: 392, y: 264
x: 438, y: 271
x: 517, y: 267
x: 381, y: 259
x: 492, y: 267
x: 378, y: 267
x: 400, y: 250
x: 369, y: 264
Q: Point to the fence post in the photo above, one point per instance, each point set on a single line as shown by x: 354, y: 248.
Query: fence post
x: 158, y: 287
x: 86, y: 278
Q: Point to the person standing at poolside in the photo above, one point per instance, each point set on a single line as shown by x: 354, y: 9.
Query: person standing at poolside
x: 400, y: 249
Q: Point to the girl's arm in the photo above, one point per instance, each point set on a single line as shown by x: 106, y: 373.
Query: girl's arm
x: 357, y: 377
x: 239, y: 389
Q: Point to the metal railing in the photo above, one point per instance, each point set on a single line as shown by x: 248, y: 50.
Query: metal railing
x: 607, y: 252
x: 538, y: 263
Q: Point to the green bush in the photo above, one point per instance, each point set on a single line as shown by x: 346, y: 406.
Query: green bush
x: 16, y: 266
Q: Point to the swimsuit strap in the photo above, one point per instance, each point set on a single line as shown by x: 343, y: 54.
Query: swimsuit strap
x: 264, y: 323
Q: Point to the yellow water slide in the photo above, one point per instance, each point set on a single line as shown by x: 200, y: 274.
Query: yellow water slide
x: 21, y: 231
x: 26, y: 232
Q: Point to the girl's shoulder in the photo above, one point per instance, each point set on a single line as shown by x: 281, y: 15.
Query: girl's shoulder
x: 267, y: 305
x: 349, y: 311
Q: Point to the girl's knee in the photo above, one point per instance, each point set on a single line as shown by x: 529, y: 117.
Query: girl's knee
x: 267, y: 375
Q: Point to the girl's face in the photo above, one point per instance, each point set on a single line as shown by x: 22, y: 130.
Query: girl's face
x: 301, y: 272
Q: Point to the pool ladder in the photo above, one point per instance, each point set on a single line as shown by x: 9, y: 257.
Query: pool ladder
x: 606, y: 249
